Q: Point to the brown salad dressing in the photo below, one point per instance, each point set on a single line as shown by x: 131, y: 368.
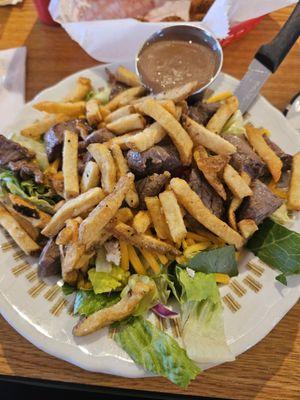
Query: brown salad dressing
x: 169, y: 63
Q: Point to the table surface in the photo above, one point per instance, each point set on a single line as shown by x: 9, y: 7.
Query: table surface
x: 270, y: 369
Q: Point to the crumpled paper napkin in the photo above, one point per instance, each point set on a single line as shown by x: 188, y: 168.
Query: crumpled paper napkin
x: 12, y: 84
x: 118, y: 40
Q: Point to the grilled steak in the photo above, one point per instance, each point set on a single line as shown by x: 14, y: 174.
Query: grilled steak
x: 260, y: 205
x: 208, y: 195
x: 157, y: 159
x: 18, y: 159
x: 151, y: 186
x: 55, y: 136
x: 201, y: 112
x: 285, y: 158
x: 49, y: 261
x: 99, y: 136
x: 245, y: 158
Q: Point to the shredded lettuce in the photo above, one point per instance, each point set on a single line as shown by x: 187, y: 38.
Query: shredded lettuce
x: 101, y: 95
x: 202, y: 318
x: 235, y: 125
x: 147, y: 301
x: 38, y: 147
x: 87, y: 302
x: 40, y: 195
x: 156, y: 351
x: 281, y: 215
x: 103, y: 282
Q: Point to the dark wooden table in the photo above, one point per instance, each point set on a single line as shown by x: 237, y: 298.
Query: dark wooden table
x: 271, y: 369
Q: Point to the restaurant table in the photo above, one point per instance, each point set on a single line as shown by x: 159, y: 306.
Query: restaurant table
x: 271, y: 369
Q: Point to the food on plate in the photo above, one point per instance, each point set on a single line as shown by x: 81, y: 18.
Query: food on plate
x: 140, y: 202
x: 294, y: 188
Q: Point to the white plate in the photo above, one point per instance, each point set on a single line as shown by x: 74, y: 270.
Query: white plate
x: 39, y: 311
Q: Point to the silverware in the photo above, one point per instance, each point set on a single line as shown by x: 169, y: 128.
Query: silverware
x: 267, y: 60
x: 186, y: 33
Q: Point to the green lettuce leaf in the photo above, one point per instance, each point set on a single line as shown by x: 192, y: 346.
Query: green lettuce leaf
x: 278, y: 247
x: 220, y: 260
x: 156, y: 351
x: 87, y: 302
x: 147, y: 301
x: 235, y: 125
x: 40, y: 195
x: 202, y: 318
x: 107, y: 281
x: 67, y: 289
x: 38, y: 147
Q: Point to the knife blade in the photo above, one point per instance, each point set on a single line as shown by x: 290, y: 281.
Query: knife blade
x: 267, y: 60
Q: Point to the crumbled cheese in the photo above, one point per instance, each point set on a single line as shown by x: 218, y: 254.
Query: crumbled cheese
x: 113, y: 253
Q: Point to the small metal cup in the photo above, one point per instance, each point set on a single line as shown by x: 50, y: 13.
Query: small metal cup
x: 186, y: 33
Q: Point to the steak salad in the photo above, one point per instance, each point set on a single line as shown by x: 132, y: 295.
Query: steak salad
x: 142, y: 204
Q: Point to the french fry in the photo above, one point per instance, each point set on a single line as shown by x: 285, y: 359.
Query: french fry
x: 124, y: 255
x: 82, y: 89
x: 18, y: 234
x: 193, y: 204
x: 173, y: 216
x: 202, y: 136
x: 67, y: 108
x: 143, y: 240
x: 162, y: 258
x: 91, y: 228
x: 124, y: 98
x: 127, y: 124
x: 119, y: 113
x: 178, y: 94
x: 212, y: 168
x: 236, y: 183
x: 123, y: 75
x: 93, y: 114
x: 105, y: 162
x: 168, y: 105
x: 32, y: 231
x: 90, y: 177
x: 259, y: 144
x: 149, y: 257
x: 135, y: 261
x: 132, y: 198
x: 236, y: 202
x: 120, y: 140
x: 219, y: 119
x: 73, y: 208
x: 222, y: 278
x: 141, y: 221
x: 294, y: 188
x: 124, y: 214
x: 247, y: 227
x: 178, y: 112
x: 64, y: 236
x: 147, y: 138
x: 69, y: 165
x: 218, y: 97
x: 178, y: 135
x: 157, y: 217
x: 38, y: 128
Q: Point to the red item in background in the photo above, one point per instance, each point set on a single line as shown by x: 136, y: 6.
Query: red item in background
x: 240, y: 30
x: 43, y: 13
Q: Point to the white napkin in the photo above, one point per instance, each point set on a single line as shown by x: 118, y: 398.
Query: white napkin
x: 113, y: 40
x: 12, y: 84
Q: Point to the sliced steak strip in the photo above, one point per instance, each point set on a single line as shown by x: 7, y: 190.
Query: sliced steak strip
x: 99, y: 136
x: 151, y: 186
x: 18, y: 159
x: 260, y: 205
x: 285, y: 158
x: 155, y: 160
x: 55, y: 136
x: 49, y: 261
x: 201, y: 112
x: 208, y: 195
x: 245, y: 158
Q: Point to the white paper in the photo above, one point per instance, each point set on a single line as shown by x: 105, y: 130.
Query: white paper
x: 114, y: 40
x: 12, y: 84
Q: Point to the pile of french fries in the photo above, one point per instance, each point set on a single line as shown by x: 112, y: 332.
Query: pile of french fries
x: 103, y: 203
